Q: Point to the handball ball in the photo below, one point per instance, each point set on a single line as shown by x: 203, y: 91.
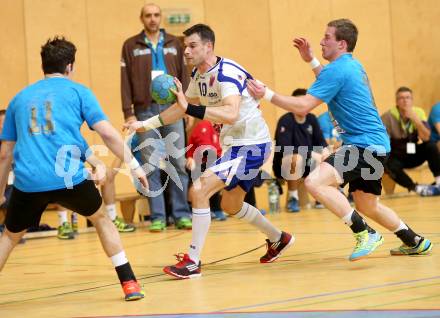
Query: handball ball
x: 160, y: 89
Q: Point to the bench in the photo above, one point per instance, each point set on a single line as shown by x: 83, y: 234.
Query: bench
x: 130, y: 203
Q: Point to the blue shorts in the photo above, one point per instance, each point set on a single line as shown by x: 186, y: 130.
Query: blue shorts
x: 239, y: 165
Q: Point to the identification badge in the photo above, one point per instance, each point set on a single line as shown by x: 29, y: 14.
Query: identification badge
x: 11, y: 178
x: 410, y: 148
x: 155, y: 74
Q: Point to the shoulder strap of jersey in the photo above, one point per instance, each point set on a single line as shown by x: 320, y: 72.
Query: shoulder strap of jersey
x: 193, y: 72
x: 224, y: 78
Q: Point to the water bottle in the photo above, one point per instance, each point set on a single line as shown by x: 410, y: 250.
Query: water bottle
x: 274, y: 198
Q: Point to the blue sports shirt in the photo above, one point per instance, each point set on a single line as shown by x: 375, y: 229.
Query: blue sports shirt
x: 434, y: 118
x: 328, y: 130
x: 44, y: 120
x: 344, y: 86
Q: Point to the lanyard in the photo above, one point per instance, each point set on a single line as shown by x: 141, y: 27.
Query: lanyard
x: 406, y: 126
x: 157, y: 53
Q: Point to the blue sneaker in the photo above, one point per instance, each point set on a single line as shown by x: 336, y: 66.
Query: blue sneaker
x: 430, y: 191
x: 423, y: 248
x: 293, y: 205
x: 366, y: 243
x: 219, y: 215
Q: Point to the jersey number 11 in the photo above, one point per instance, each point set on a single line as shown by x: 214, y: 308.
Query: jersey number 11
x: 48, y: 127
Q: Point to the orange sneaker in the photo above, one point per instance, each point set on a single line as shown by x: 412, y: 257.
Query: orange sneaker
x: 132, y: 290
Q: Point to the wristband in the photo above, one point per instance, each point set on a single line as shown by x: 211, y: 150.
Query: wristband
x: 160, y: 120
x: 314, y: 63
x: 152, y: 123
x: 268, y: 94
x: 196, y: 111
x: 134, y: 164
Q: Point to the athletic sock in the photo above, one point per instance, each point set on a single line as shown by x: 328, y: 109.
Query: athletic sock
x: 122, y: 267
x: 356, y: 223
x: 74, y: 218
x: 201, y: 221
x: 293, y: 194
x: 62, y: 217
x: 253, y: 216
x: 125, y: 273
x: 418, y: 188
x: 401, y: 226
x: 407, y: 235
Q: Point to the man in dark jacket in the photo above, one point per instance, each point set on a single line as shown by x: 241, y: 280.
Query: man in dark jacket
x: 300, y: 148
x: 144, y: 56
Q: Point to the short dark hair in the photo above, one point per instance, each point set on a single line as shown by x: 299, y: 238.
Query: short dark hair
x: 299, y: 92
x: 403, y: 89
x: 56, y: 54
x: 2, y: 112
x: 345, y: 30
x: 204, y: 31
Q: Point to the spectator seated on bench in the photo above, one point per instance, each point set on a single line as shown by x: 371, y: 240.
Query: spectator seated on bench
x: 302, y: 147
x: 410, y: 144
x: 420, y: 173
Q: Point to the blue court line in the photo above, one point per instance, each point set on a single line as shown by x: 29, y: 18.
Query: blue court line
x: 329, y: 294
x: 411, y: 313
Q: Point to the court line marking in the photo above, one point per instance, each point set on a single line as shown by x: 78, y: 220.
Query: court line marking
x: 362, y: 295
x: 149, y: 276
x: 229, y: 314
x: 117, y: 284
x: 99, y: 249
x: 341, y: 292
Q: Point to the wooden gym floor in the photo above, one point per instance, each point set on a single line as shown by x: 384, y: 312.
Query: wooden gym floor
x: 52, y: 278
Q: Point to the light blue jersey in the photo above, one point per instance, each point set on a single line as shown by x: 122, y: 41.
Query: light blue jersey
x: 344, y: 86
x: 326, y: 124
x: 434, y: 118
x: 44, y: 120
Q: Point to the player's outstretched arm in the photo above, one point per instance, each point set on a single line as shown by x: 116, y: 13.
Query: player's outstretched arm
x: 114, y: 142
x: 99, y: 169
x: 305, y: 50
x: 6, y: 155
x: 168, y: 116
x: 300, y: 105
x: 227, y: 113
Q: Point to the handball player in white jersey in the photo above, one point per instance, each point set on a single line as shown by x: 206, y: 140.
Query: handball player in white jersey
x: 217, y: 92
